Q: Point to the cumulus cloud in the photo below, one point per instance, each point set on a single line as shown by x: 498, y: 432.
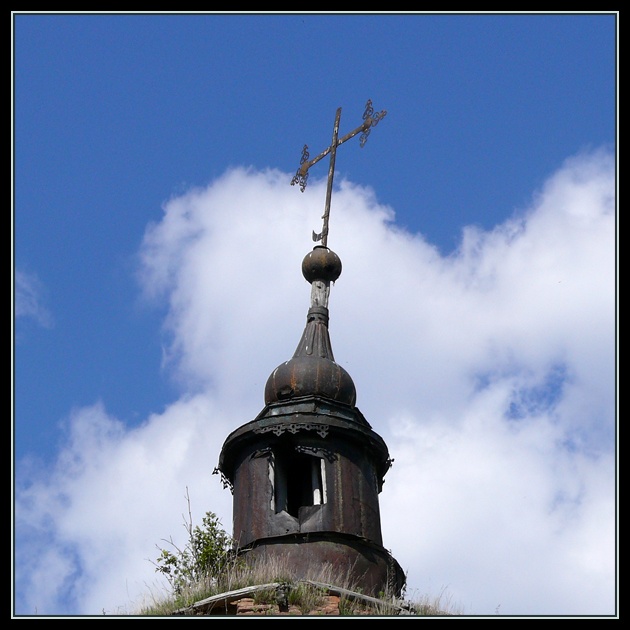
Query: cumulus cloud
x: 89, y: 529
x: 489, y: 373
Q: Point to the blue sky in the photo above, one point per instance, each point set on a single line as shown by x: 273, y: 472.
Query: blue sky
x: 157, y: 246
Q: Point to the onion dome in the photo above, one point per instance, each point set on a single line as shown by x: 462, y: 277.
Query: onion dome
x: 312, y: 371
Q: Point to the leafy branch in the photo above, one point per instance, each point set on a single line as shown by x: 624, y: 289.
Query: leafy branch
x: 204, y: 557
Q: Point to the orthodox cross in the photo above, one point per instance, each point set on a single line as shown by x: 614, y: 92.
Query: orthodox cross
x: 370, y: 119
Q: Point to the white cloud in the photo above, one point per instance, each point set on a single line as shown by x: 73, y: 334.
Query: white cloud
x: 489, y: 373
x: 28, y: 299
x: 113, y: 495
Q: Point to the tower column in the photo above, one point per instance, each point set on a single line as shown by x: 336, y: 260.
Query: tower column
x: 307, y: 471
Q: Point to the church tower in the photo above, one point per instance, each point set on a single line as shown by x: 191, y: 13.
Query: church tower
x: 306, y: 473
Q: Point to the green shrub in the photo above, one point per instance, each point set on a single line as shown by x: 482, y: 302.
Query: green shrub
x: 204, y: 557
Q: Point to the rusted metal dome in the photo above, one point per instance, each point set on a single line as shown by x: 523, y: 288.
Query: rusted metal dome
x: 312, y: 371
x: 310, y: 376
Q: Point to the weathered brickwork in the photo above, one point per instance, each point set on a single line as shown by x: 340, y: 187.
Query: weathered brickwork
x: 248, y: 606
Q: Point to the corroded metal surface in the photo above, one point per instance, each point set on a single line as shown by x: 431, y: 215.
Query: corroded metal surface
x: 353, y: 561
x: 353, y: 460
x: 330, y: 420
x: 321, y: 264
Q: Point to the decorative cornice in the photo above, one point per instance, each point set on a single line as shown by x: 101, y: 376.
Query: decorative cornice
x: 294, y: 427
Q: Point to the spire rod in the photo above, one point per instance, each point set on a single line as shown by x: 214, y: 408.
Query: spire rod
x: 370, y: 119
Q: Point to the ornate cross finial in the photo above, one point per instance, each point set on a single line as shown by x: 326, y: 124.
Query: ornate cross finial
x: 370, y: 119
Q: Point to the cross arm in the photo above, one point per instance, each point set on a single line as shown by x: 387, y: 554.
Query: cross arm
x: 370, y: 119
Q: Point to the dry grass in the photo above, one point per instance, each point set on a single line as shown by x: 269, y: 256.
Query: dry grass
x: 305, y: 592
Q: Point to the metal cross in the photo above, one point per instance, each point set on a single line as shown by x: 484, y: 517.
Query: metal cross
x: 370, y: 119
